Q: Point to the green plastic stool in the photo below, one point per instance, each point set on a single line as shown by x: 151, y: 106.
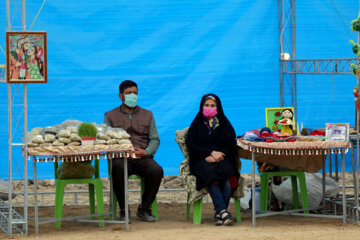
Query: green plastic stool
x: 154, y: 207
x: 197, y: 210
x: 265, y: 177
x: 92, y: 182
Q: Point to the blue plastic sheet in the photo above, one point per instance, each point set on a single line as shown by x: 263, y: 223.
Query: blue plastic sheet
x: 177, y: 51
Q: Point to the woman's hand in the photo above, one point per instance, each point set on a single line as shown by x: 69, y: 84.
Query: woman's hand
x: 219, y: 156
x: 210, y: 159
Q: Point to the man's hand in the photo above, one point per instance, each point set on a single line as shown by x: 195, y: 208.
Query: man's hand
x: 219, y: 156
x: 139, y: 152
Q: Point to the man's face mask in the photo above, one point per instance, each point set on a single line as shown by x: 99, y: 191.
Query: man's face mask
x: 131, y: 100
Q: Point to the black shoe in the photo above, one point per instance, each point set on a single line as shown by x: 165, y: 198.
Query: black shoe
x: 145, y: 215
x: 226, y: 217
x: 122, y: 216
x: 217, y: 219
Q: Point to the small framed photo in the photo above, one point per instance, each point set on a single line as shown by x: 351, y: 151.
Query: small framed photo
x: 337, y: 132
x: 26, y: 57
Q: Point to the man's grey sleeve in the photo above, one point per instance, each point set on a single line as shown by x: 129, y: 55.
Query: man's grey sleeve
x: 154, y: 141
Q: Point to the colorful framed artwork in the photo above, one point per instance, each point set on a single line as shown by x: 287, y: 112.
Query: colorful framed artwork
x: 337, y: 132
x: 274, y: 118
x: 26, y: 57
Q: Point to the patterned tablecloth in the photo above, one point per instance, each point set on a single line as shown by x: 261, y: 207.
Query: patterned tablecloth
x: 300, y: 155
x: 78, y: 153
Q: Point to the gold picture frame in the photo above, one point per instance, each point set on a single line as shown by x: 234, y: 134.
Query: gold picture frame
x: 26, y: 57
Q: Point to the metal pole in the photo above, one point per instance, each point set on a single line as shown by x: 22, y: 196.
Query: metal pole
x: 25, y: 133
x: 357, y: 144
x: 354, y: 179
x: 253, y: 190
x: 330, y: 164
x: 10, y: 159
x: 111, y: 189
x: 35, y: 199
x: 8, y: 27
x: 323, y: 186
x: 23, y: 15
x: 9, y: 133
x: 281, y: 76
x: 126, y: 194
x: 293, y: 42
x: 336, y: 167
x: 343, y: 185
x: 25, y: 162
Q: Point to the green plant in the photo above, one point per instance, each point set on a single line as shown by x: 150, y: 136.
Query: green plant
x: 355, y: 24
x: 87, y: 130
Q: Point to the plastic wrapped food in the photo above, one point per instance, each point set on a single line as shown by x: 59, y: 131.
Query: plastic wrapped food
x: 64, y: 140
x: 37, y: 139
x: 36, y: 131
x: 100, y: 142
x: 64, y: 133
x: 70, y: 122
x: 49, y: 138
x: 117, y: 133
x: 111, y: 141
x: 101, y: 128
x: 74, y: 144
x: 52, y: 130
x: 72, y: 129
x: 103, y: 136
x: 57, y: 143
x: 112, y: 134
x: 31, y: 144
x: 123, y: 134
x: 75, y: 137
x: 124, y: 141
x: 45, y: 145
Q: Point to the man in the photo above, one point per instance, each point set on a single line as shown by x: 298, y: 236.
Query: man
x: 140, y: 124
x: 18, y: 59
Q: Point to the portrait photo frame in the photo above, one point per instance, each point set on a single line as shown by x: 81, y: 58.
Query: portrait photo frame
x: 26, y: 57
x: 337, y: 131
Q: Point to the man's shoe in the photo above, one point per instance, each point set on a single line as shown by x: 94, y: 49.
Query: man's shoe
x: 122, y: 216
x: 145, y: 215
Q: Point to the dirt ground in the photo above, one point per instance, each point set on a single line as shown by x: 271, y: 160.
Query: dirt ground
x: 173, y: 225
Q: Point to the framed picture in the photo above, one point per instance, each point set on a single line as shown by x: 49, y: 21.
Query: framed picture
x: 26, y: 58
x: 337, y: 132
x: 274, y: 117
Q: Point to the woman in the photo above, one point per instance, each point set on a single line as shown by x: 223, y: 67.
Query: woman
x: 34, y: 63
x: 212, y: 155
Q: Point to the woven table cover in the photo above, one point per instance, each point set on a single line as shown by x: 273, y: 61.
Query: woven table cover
x: 299, y: 156
x: 79, y: 153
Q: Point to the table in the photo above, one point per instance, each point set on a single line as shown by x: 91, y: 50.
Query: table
x: 299, y: 156
x: 81, y: 153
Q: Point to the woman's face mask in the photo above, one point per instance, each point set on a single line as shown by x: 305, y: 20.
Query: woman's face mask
x: 131, y: 100
x: 209, y: 111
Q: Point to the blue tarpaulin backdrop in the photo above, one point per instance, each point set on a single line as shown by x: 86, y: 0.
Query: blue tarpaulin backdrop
x: 177, y: 51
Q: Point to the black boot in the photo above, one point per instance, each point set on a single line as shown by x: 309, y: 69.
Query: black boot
x: 145, y: 215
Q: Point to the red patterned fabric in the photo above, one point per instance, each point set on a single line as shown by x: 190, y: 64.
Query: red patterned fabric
x: 232, y: 180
